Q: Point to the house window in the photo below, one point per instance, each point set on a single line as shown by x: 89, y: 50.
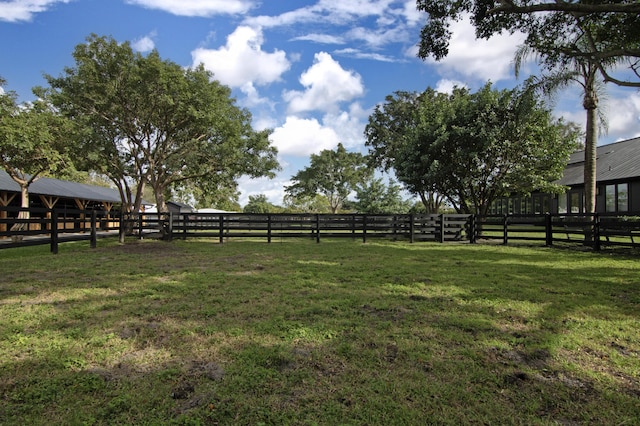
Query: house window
x: 562, y: 203
x: 617, y: 197
x: 623, y: 197
x: 574, y: 199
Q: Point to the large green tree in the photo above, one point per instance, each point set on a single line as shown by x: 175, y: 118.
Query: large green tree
x: 564, y: 30
x: 152, y: 122
x: 334, y: 174
x: 32, y: 141
x: 376, y: 197
x: 476, y: 147
x: 387, y: 135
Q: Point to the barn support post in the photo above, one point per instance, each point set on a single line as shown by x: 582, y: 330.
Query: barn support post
x: 54, y: 233
x: 94, y: 227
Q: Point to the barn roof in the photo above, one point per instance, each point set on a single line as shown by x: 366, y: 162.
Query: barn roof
x: 62, y: 188
x: 615, y: 161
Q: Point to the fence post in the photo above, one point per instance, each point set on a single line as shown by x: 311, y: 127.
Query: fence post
x: 548, y: 229
x: 94, y: 236
x: 185, y: 225
x: 442, y: 228
x: 364, y: 228
x: 505, y: 226
x: 221, y: 227
x: 472, y: 229
x: 140, y: 224
x: 269, y: 228
x: 317, y: 228
x: 54, y: 233
x: 170, y: 227
x: 596, y: 232
x: 411, y: 228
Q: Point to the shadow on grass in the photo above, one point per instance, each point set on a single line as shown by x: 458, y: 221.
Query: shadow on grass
x: 324, y: 333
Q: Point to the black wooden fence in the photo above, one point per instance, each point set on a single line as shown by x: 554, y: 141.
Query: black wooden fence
x: 44, y: 226
x: 450, y: 227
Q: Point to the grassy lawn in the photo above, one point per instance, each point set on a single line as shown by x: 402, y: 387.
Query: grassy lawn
x: 294, y: 332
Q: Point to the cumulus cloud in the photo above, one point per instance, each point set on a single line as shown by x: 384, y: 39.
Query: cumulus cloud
x: 23, y: 10
x: 479, y: 60
x: 203, y: 8
x: 446, y: 85
x: 242, y: 60
x: 144, y: 44
x: 326, y: 84
x: 349, y: 125
x: 302, y: 137
x: 624, y: 116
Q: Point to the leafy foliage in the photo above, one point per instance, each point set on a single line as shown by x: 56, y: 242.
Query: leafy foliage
x: 374, y: 197
x: 260, y: 204
x: 149, y: 121
x: 334, y: 174
x: 602, y: 32
x: 475, y: 147
x: 31, y: 140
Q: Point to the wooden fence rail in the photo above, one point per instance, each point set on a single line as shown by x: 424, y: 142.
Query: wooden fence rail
x: 46, y: 226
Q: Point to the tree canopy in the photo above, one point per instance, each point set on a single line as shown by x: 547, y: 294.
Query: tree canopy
x: 150, y: 121
x: 473, y: 147
x: 31, y: 140
x: 376, y: 197
x: 333, y: 174
x: 602, y: 32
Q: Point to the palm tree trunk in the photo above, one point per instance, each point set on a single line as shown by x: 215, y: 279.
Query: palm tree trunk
x: 590, y: 104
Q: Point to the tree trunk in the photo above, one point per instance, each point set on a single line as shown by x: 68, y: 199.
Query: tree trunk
x: 590, y: 103
x: 24, y: 214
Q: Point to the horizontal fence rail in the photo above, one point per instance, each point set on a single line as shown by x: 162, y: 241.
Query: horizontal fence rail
x: 52, y: 226
x: 37, y: 226
x: 316, y: 226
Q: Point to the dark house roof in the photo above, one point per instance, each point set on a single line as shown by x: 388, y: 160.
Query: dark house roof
x: 615, y: 161
x: 62, y: 188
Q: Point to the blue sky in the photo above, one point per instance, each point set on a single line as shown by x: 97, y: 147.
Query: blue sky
x: 311, y: 70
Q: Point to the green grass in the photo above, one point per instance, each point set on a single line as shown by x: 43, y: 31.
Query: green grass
x: 294, y: 332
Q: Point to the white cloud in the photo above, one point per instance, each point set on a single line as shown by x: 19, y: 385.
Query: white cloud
x: 356, y: 53
x: 320, y: 38
x: 23, y: 10
x: 144, y: 44
x: 326, y: 85
x: 348, y: 126
x: 446, y: 85
x: 203, y: 8
x: 336, y: 12
x: 623, y: 116
x: 242, y: 60
x: 273, y: 189
x: 303, y: 137
x: 479, y: 59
